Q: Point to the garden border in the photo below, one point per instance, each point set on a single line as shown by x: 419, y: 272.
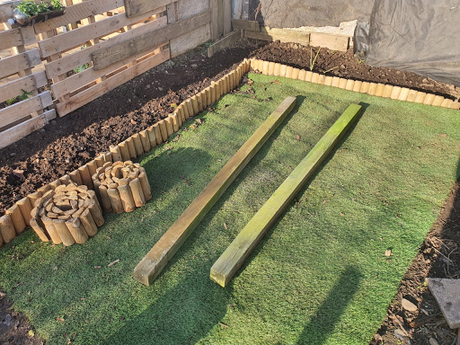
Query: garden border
x: 18, y: 215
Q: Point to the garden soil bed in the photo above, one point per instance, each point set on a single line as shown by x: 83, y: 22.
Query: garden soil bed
x: 69, y: 142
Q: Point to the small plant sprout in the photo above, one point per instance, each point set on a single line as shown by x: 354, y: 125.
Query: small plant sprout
x: 313, y: 60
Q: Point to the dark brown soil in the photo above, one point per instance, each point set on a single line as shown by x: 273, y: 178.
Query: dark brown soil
x: 69, y: 142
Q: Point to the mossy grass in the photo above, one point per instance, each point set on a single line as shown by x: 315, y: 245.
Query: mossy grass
x: 320, y: 276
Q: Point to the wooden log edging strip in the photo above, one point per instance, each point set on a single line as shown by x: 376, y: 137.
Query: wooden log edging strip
x: 17, y: 218
x: 68, y: 214
x: 373, y: 89
x: 121, y: 186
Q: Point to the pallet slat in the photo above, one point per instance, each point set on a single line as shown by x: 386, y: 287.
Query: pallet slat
x: 80, y: 36
x: 19, y: 62
x: 139, y: 7
x: 79, y: 58
x: 117, y: 52
x: 28, y: 83
x: 22, y: 109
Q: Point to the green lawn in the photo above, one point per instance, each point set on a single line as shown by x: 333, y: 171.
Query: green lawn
x: 320, y: 276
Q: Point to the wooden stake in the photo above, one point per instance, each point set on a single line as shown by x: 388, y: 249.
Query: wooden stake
x: 419, y: 98
x: 99, y: 161
x: 365, y: 87
x: 105, y: 199
x: 350, y: 85
x: 265, y: 67
x: 372, y: 89
x: 175, y: 122
x: 403, y: 94
x: 145, y: 141
x: 163, y: 130
x: 429, y: 99
x: 271, y: 68
x: 85, y: 176
x: 124, y: 151
x: 126, y: 198
x: 189, y: 106
x: 289, y: 71
x: 26, y: 208
x: 233, y: 257
x: 115, y: 200
x: 214, y: 97
x: 7, y: 228
x: 33, y: 197
x: 116, y: 154
x: 328, y: 81
x: 131, y: 147
x: 314, y: 78
x: 309, y: 76
x: 302, y: 74
x: 335, y: 81
x: 195, y: 105
x: 387, y: 91
x: 138, y: 145
x: 446, y: 103
x: 199, y: 100
x: 156, y: 259
x: 51, y: 230
x: 38, y: 230
x: 283, y: 70
x: 107, y: 156
x: 17, y: 218
x: 379, y: 90
x: 145, y: 185
x: 169, y: 126
x: 92, y: 166
x: 88, y: 223
x: 138, y: 193
x: 75, y: 177
x: 158, y: 136
x: 63, y: 231
x: 96, y: 213
x: 357, y: 86
x: 395, y: 93
x: 342, y: 83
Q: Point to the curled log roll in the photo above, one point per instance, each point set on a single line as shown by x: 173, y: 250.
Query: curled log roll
x: 68, y: 214
x: 121, y: 186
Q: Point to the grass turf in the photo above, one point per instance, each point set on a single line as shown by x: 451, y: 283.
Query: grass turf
x: 320, y: 276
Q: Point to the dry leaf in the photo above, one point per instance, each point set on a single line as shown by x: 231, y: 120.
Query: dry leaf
x: 223, y: 324
x: 60, y: 319
x: 297, y: 137
x: 388, y: 253
x: 113, y: 263
x: 443, y: 135
x: 19, y: 173
x: 97, y: 267
x: 225, y: 226
x: 133, y: 122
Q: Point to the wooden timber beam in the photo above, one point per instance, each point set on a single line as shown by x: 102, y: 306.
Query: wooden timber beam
x: 233, y: 257
x: 157, y: 258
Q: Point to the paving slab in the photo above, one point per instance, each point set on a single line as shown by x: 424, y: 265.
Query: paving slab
x: 447, y: 294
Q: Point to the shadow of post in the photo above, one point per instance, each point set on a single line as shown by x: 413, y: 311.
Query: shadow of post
x: 324, y: 321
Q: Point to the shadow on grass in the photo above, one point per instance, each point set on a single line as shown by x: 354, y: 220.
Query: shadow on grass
x: 327, y: 316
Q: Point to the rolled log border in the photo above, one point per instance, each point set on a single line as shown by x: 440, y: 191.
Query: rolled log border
x: 16, y: 217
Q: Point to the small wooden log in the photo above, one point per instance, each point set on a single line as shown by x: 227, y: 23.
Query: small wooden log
x: 75, y: 177
x: 85, y: 176
x: 107, y: 157
x: 403, y: 94
x: 115, y: 200
x: 65, y: 180
x: 328, y: 81
x: 379, y: 90
x: 289, y: 71
x: 131, y: 147
x: 92, y: 166
x: 77, y: 230
x: 126, y: 197
x: 152, y: 137
x: 99, y: 161
x: 412, y: 95
x: 357, y: 86
x: 387, y: 91
x: 105, y: 199
x: 365, y: 87
x: 26, y: 208
x: 138, y: 144
x: 321, y: 79
x: 33, y: 197
x: 302, y: 74
x: 208, y: 98
x: 214, y: 97
x: 395, y: 92
x: 44, y: 189
x: 138, y: 193
x: 283, y: 70
x: 175, y: 122
x: 96, y: 212
x: 189, y: 105
x: 420, y: 97
x: 169, y: 126
x: 63, y: 231
x: 201, y: 100
x: 343, y: 83
x: 88, y: 223
x: 265, y: 67
x: 350, y: 85
x: 39, y: 230
x: 7, y: 228
x: 163, y: 130
x: 194, y: 105
x: 116, y: 154
x: 309, y: 76
x: 335, y: 81
x: 51, y: 230
x: 17, y: 218
x: 295, y: 73
x: 446, y: 103
x: 429, y: 99
x: 233, y: 257
x: 145, y: 140
x: 145, y: 185
x: 372, y: 89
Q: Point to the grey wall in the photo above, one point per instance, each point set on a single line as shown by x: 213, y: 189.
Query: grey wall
x: 296, y: 13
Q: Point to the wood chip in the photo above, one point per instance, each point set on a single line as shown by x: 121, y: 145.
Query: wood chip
x: 408, y: 305
x: 113, y: 263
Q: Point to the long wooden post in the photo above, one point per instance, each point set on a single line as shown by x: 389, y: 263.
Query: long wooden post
x: 156, y: 259
x: 233, y: 257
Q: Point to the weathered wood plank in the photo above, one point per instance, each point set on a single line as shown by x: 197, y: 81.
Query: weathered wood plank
x: 28, y: 83
x: 227, y: 8
x: 139, y: 7
x: 13, y: 134
x: 82, y: 35
x: 241, y: 24
x: 68, y: 62
x: 156, y: 259
x: 76, y: 81
x: 283, y: 35
x: 214, y: 7
x: 101, y: 88
x: 22, y: 109
x: 331, y: 41
x: 19, y: 62
x: 225, y: 42
x: 233, y: 257
x: 115, y: 53
x: 78, y: 12
x: 10, y: 38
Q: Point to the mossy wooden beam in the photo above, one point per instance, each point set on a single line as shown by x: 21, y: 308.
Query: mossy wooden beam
x: 157, y: 258
x: 233, y: 257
